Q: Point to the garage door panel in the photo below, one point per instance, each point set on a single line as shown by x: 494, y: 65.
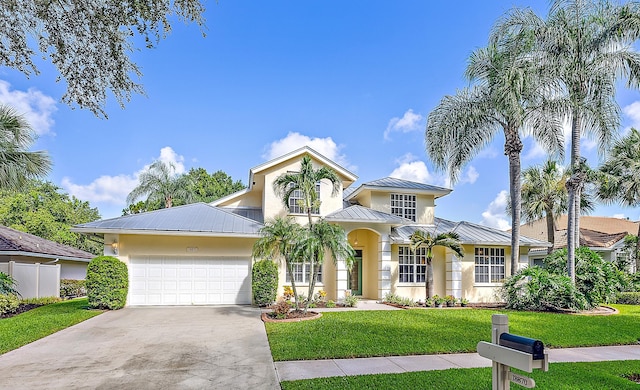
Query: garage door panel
x: 188, y: 281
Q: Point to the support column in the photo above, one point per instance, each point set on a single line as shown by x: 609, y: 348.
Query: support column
x: 454, y: 275
x: 384, y: 265
x: 341, y: 279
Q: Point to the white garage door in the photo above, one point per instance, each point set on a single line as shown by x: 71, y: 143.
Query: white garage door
x: 189, y: 281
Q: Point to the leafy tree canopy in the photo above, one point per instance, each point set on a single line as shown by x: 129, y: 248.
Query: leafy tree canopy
x: 89, y: 42
x: 44, y: 210
x: 208, y: 187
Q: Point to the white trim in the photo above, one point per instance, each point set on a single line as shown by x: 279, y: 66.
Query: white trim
x: 165, y: 232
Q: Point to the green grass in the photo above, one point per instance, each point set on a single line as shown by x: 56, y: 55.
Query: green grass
x: 413, y: 332
x: 40, y: 322
x: 561, y: 376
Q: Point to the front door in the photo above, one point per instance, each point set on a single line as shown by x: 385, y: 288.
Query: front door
x: 355, y: 275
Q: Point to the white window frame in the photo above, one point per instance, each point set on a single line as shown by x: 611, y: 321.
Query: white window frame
x: 301, y: 273
x: 412, y: 265
x: 404, y: 205
x: 489, y: 265
x: 295, y: 208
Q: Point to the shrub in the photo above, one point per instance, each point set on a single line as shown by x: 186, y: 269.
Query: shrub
x: 264, y: 282
x: 598, y: 280
x: 7, y: 284
x: 72, y: 288
x: 40, y: 301
x: 107, y: 283
x: 331, y: 304
x: 281, y: 309
x: 288, y: 293
x: 8, y: 303
x: 351, y: 301
x: 535, y: 288
x: 628, y: 298
x: 398, y: 300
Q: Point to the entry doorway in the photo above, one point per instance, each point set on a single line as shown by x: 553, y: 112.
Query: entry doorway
x: 355, y: 275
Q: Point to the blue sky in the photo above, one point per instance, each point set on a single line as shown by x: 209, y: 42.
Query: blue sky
x: 355, y: 80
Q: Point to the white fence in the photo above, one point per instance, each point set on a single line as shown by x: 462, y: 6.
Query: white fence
x: 34, y: 280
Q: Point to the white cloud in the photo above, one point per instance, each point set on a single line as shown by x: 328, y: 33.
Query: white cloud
x: 410, y: 121
x: 36, y: 107
x: 619, y: 216
x: 469, y: 176
x: 488, y: 152
x: 294, y: 140
x: 412, y: 169
x: 113, y: 190
x: 495, y: 215
x: 633, y: 112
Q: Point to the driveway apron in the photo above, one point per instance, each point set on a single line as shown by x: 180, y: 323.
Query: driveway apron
x: 206, y: 347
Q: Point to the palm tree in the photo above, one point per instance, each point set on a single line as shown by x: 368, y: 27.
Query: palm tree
x: 509, y: 95
x: 586, y: 45
x: 320, y: 239
x: 278, y: 241
x: 544, y: 195
x: 449, y: 240
x: 620, y: 179
x: 160, y: 183
x: 304, y: 184
x: 17, y: 164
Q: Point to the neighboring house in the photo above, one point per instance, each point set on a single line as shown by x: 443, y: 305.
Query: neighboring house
x: 201, y: 253
x: 604, y: 235
x: 23, y: 247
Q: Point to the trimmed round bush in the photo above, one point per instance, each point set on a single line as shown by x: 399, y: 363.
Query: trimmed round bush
x: 107, y: 283
x: 264, y: 282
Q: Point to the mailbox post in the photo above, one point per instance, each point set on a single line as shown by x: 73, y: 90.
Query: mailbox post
x: 507, y: 350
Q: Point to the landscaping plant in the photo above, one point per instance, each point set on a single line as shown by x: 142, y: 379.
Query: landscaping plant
x: 264, y: 282
x: 8, y: 303
x: 107, y: 283
x: 7, y: 284
x: 72, y: 288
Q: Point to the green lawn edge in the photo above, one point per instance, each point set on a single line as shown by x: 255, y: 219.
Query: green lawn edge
x: 561, y: 376
x: 40, y: 322
x: 435, y: 331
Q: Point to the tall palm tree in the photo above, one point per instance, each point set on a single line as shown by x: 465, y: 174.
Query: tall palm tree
x: 278, y: 242
x: 17, y: 164
x: 323, y: 238
x: 587, y: 46
x: 620, y: 180
x: 161, y: 183
x: 449, y: 240
x: 544, y: 195
x: 304, y: 183
x: 509, y: 94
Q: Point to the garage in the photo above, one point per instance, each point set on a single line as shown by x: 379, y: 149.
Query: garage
x: 189, y: 280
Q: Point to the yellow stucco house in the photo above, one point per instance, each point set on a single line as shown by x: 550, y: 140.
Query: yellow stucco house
x: 201, y: 253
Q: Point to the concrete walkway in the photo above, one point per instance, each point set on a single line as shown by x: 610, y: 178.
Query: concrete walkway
x: 307, y: 369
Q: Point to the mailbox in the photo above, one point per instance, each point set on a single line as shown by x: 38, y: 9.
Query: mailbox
x: 523, y: 344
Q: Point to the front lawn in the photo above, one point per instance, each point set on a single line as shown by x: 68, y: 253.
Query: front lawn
x: 561, y: 376
x: 414, y: 332
x: 35, y: 324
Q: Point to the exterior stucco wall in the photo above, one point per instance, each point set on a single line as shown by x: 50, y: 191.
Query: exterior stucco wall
x: 250, y: 199
x: 416, y: 291
x: 425, y: 205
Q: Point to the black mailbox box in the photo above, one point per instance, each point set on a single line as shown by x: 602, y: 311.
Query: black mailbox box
x: 523, y: 344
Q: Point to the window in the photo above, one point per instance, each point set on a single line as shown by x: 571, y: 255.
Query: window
x: 301, y: 273
x: 489, y: 265
x: 404, y: 205
x: 295, y: 202
x: 413, y: 265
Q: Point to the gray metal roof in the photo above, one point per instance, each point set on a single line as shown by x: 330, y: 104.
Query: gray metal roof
x: 470, y: 233
x: 392, y: 183
x: 359, y: 213
x: 253, y: 213
x: 192, y: 218
x: 16, y: 242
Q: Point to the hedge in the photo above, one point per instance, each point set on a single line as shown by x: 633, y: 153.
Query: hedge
x: 107, y: 283
x: 264, y: 282
x: 628, y: 298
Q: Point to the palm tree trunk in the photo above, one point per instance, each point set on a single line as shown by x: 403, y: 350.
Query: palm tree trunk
x: 512, y: 148
x: 293, y: 282
x: 574, y: 197
x: 428, y: 280
x: 551, y: 230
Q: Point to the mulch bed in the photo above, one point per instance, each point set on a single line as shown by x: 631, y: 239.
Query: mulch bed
x: 21, y: 309
x: 292, y: 316
x: 633, y: 377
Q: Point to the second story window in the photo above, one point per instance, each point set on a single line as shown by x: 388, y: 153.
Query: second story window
x: 404, y: 205
x: 296, y: 202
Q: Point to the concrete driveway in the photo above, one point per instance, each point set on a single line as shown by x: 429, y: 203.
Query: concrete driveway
x: 222, y: 347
